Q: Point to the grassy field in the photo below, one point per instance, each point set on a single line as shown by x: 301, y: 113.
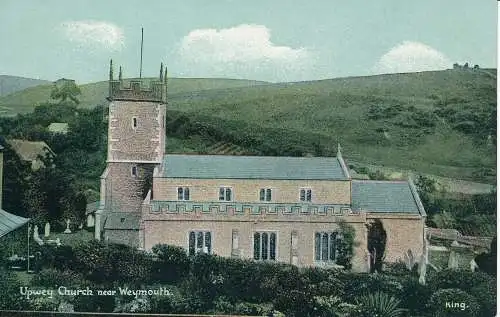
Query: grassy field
x: 338, y: 110
x: 403, y: 121
x: 95, y: 93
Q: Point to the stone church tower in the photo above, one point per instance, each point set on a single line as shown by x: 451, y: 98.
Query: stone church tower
x: 136, y: 145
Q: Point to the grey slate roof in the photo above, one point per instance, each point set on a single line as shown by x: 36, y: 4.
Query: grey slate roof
x: 122, y: 220
x: 385, y: 196
x: 252, y: 167
x: 92, y: 207
x: 10, y: 222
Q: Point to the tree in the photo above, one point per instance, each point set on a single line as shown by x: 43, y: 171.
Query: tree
x: 68, y: 91
x: 15, y: 181
x: 377, y: 238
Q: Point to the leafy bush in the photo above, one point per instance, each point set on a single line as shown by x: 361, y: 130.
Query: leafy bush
x: 453, y: 302
x: 52, y: 278
x: 171, y: 263
x: 57, y: 257
x: 461, y: 279
x: 10, y: 296
x: 345, y: 247
x: 379, y: 304
x: 485, y: 294
x: 364, y: 283
x: 83, y: 303
x: 44, y: 303
x: 414, y: 295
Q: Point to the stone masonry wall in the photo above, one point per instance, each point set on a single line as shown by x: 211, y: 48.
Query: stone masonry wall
x: 403, y: 234
x: 128, y: 237
x: 146, y: 142
x: 247, y: 190
x: 126, y: 192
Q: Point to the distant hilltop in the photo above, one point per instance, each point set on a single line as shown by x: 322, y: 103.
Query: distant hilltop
x: 11, y: 84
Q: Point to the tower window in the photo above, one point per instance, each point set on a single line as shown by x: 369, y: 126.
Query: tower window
x: 134, y: 122
x: 133, y: 171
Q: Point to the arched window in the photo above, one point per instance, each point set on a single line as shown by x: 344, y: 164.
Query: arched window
x: 134, y: 122
x: 133, y: 171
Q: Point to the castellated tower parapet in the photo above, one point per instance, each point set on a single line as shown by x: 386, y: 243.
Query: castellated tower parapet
x: 136, y: 90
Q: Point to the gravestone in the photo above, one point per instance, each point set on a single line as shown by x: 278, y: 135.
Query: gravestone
x: 67, y: 226
x: 47, y: 230
x: 460, y: 256
x: 80, y: 227
x: 36, y: 236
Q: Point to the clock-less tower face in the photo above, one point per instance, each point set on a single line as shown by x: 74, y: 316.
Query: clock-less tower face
x: 136, y: 142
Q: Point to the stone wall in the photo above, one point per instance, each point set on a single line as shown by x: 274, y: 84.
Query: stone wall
x: 124, y: 191
x: 146, y: 141
x: 248, y: 190
x: 177, y: 233
x: 403, y: 234
x: 128, y: 237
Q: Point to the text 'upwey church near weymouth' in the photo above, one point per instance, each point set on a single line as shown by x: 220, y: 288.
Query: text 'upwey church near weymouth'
x: 286, y: 209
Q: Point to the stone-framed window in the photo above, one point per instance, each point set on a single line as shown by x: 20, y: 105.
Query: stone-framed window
x: 325, y: 246
x: 200, y: 241
x: 134, y: 123
x: 225, y: 194
x: 265, y: 194
x: 133, y: 171
x: 182, y: 193
x: 264, y: 245
x: 305, y: 194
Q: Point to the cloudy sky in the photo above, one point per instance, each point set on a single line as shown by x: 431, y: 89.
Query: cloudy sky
x: 271, y: 40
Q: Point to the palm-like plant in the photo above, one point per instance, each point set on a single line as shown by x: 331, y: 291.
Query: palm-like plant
x: 379, y: 304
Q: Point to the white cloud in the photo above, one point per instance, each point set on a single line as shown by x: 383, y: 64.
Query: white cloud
x: 411, y: 57
x: 94, y: 34
x: 242, y: 51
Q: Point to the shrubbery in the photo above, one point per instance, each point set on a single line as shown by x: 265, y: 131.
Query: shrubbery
x: 453, y: 302
x: 212, y: 284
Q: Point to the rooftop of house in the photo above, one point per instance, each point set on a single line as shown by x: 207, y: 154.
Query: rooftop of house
x: 30, y: 150
x: 122, y: 220
x: 386, y: 196
x: 253, y: 167
x: 10, y: 222
x: 58, y: 127
x: 92, y: 207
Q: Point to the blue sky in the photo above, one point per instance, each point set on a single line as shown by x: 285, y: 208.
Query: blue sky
x: 272, y: 40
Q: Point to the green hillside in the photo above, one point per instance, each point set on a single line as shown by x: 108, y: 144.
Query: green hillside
x: 95, y: 93
x: 11, y: 84
x: 441, y: 123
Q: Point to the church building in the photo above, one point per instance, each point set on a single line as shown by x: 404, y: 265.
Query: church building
x: 286, y: 209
